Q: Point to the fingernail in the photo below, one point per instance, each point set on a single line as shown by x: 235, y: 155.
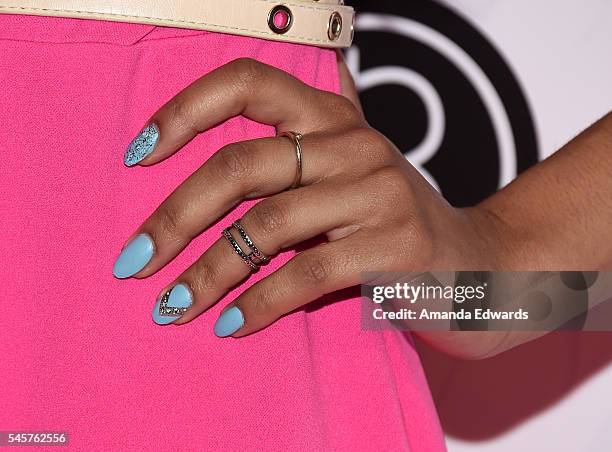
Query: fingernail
x: 142, y: 145
x: 230, y: 321
x: 134, y: 256
x: 172, y: 304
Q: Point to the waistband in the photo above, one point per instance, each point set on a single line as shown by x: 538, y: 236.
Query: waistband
x: 323, y: 23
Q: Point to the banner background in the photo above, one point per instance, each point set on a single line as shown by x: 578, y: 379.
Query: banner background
x: 473, y: 93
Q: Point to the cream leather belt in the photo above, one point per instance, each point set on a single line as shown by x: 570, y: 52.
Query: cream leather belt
x: 325, y: 23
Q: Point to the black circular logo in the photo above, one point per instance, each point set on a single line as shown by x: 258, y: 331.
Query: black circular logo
x: 443, y: 94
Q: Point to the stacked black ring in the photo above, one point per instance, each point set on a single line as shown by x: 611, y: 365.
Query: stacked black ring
x: 255, y: 253
x: 254, y: 258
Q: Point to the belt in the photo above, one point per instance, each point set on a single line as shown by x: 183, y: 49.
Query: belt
x: 324, y: 23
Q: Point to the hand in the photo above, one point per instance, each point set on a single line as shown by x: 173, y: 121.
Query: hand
x: 376, y: 210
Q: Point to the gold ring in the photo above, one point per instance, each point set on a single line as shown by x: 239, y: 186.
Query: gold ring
x: 295, y: 138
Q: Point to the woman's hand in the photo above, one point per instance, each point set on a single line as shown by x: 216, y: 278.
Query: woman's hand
x: 376, y: 210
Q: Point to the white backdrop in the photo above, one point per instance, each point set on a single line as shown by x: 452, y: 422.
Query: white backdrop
x: 561, y: 52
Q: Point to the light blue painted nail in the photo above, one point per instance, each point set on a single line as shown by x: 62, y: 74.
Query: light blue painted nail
x: 142, y: 145
x: 172, y: 304
x: 134, y: 256
x: 230, y: 321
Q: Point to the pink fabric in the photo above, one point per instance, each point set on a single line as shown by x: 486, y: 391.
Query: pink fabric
x: 79, y: 351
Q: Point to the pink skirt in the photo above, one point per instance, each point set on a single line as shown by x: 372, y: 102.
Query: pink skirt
x: 79, y: 350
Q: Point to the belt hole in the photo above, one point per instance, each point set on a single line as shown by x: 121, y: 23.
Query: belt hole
x: 334, y: 26
x: 280, y: 19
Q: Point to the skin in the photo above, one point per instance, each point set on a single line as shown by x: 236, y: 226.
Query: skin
x: 554, y: 216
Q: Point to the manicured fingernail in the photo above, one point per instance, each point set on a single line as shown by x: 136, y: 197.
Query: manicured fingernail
x: 134, y: 256
x: 230, y: 321
x: 172, y: 304
x: 142, y: 145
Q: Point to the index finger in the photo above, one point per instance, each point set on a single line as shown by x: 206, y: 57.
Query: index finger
x: 243, y: 86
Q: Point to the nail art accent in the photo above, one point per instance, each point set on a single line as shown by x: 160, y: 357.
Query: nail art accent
x: 142, y: 145
x: 172, y: 304
x: 230, y: 321
x: 134, y: 256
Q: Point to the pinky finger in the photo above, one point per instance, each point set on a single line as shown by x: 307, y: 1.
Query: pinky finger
x: 309, y: 275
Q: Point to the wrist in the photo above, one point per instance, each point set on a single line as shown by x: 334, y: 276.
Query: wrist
x: 498, y: 247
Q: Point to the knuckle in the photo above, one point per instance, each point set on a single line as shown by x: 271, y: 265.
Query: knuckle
x: 315, y: 269
x: 263, y: 305
x: 168, y: 219
x: 386, y: 154
x: 367, y: 136
x: 395, y: 182
x: 375, y: 147
x: 206, y: 277
x: 181, y: 115
x: 235, y: 162
x: 343, y: 109
x: 248, y: 72
x: 270, y: 216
